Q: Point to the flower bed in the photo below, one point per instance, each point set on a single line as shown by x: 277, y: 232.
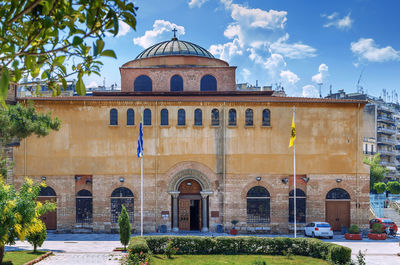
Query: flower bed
x: 374, y: 236
x: 352, y: 236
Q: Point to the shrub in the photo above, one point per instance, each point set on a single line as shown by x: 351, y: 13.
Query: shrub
x: 170, y: 249
x: 124, y: 227
x: 354, y: 229
x: 393, y: 187
x: 339, y: 254
x: 138, y: 252
x: 380, y: 187
x: 377, y: 228
x: 37, y: 235
x: 259, y: 262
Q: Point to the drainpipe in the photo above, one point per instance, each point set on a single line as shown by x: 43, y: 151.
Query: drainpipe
x: 224, y: 165
x: 357, y: 158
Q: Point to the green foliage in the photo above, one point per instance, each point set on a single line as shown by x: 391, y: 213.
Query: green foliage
x: 21, y: 121
x: 377, y: 228
x: 124, y: 227
x: 377, y: 172
x: 393, y: 187
x: 138, y: 252
x: 192, y: 245
x: 43, y: 35
x: 361, y: 258
x: 354, y: 229
x: 20, y: 211
x: 339, y: 254
x: 5, y: 165
x: 380, y: 187
x: 38, y: 235
x: 259, y: 262
x: 170, y: 249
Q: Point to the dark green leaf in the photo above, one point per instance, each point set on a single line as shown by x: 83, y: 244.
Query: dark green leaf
x: 4, y: 82
x: 109, y: 53
x: 76, y: 41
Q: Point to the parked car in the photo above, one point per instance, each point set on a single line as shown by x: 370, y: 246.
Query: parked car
x: 387, y: 224
x: 318, y: 229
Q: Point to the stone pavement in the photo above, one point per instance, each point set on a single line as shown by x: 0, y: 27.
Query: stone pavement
x: 82, y: 249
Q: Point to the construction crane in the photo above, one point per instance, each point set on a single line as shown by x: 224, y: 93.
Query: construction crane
x: 360, y: 89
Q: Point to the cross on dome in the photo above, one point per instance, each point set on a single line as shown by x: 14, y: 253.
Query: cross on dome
x: 174, y: 30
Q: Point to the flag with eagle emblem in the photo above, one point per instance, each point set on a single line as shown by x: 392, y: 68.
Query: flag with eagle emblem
x: 292, y: 134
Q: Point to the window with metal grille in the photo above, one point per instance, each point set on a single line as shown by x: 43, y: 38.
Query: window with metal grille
x: 300, y: 206
x: 176, y: 83
x: 181, y: 117
x: 258, y: 205
x: 142, y: 83
x: 198, y: 117
x: 337, y: 194
x: 122, y: 196
x: 249, y: 117
x: 147, y: 117
x: 215, y: 117
x: 164, y: 117
x: 208, y: 83
x: 266, y: 118
x: 232, y: 117
x: 130, y: 117
x: 47, y: 191
x: 113, y: 117
x: 84, y: 207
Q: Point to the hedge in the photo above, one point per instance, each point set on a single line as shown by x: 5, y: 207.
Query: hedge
x: 246, y: 245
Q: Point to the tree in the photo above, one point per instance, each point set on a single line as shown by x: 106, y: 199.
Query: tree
x: 393, y: 187
x: 377, y: 172
x: 379, y: 187
x: 20, y: 211
x: 124, y: 227
x: 38, y: 37
x: 37, y: 235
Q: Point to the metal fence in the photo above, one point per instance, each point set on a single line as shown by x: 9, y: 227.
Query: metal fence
x: 377, y: 202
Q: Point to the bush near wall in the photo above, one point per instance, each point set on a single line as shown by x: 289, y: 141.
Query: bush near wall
x: 247, y: 245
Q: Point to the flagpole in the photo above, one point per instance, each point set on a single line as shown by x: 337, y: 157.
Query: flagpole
x: 294, y: 177
x: 141, y: 185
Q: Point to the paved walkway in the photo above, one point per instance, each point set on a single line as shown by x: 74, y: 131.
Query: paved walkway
x: 82, y: 249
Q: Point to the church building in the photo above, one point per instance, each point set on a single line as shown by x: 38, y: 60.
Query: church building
x: 212, y: 154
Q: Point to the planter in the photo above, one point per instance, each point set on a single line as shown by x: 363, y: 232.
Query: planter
x: 233, y: 232
x: 352, y: 236
x: 372, y: 236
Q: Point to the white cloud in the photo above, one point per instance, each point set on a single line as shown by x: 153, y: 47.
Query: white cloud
x: 310, y: 91
x: 368, y: 50
x: 246, y: 74
x: 92, y: 84
x: 322, y: 74
x: 343, y: 23
x: 288, y: 77
x: 292, y: 51
x: 226, y: 51
x: 196, y: 3
x: 162, y: 30
x: 123, y: 29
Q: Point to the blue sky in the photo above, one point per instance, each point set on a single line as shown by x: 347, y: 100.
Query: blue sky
x: 297, y: 43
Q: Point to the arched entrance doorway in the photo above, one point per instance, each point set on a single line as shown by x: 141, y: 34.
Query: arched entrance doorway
x: 337, y: 208
x: 50, y: 218
x: 189, y: 205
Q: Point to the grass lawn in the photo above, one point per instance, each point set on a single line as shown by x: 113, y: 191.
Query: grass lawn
x: 235, y: 259
x: 20, y: 257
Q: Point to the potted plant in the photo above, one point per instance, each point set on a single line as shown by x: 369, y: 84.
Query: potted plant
x: 353, y: 234
x: 376, y: 232
x: 234, y: 231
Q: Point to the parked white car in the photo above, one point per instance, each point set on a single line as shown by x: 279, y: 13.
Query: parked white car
x: 318, y: 229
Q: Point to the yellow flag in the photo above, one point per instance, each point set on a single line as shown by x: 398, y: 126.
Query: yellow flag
x: 292, y: 134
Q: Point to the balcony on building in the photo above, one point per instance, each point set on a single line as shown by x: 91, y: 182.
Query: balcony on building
x: 388, y: 131
x: 387, y: 141
x: 388, y: 152
x: 385, y: 119
x: 385, y: 109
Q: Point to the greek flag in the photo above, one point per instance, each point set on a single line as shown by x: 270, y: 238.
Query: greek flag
x: 140, y: 141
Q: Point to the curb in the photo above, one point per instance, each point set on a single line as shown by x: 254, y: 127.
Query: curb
x: 39, y: 258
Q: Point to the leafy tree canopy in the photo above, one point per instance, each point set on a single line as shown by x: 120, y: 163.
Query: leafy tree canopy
x: 393, y: 187
x: 380, y: 187
x: 377, y: 172
x: 42, y: 34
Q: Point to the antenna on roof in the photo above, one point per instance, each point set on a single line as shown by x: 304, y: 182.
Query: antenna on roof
x: 320, y: 90
x: 360, y: 88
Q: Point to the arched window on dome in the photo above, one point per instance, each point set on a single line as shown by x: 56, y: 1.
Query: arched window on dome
x: 164, y: 117
x: 198, y: 117
x: 142, y: 83
x: 130, y: 117
x: 215, y: 117
x: 181, y: 117
x: 208, y: 83
x: 147, y: 117
x: 232, y: 117
x: 113, y: 117
x: 249, y: 117
x: 266, y: 118
x: 176, y: 83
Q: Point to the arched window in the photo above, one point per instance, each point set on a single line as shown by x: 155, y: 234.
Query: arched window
x: 249, y: 117
x: 181, y: 117
x: 337, y: 194
x: 258, y: 205
x: 215, y: 117
x: 113, y: 117
x: 47, y: 192
x: 130, y: 117
x: 84, y: 207
x: 142, y: 83
x: 147, y: 117
x: 164, y: 117
x: 300, y: 206
x: 208, y: 83
x: 121, y: 196
x: 176, y: 83
x: 232, y: 117
x: 266, y: 118
x: 198, y: 117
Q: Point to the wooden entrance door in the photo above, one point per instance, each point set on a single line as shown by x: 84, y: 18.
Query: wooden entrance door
x: 184, y: 214
x: 337, y: 214
x: 49, y: 219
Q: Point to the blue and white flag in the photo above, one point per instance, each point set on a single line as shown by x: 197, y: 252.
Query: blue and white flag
x: 140, y: 141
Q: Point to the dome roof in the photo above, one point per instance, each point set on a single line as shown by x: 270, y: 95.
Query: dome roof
x: 174, y: 47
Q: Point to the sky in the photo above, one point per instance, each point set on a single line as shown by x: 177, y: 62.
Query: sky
x: 297, y: 44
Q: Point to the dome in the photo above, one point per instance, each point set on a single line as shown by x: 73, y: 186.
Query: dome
x: 174, y: 47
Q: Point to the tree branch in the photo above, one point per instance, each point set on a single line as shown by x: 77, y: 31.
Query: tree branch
x: 34, y: 4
